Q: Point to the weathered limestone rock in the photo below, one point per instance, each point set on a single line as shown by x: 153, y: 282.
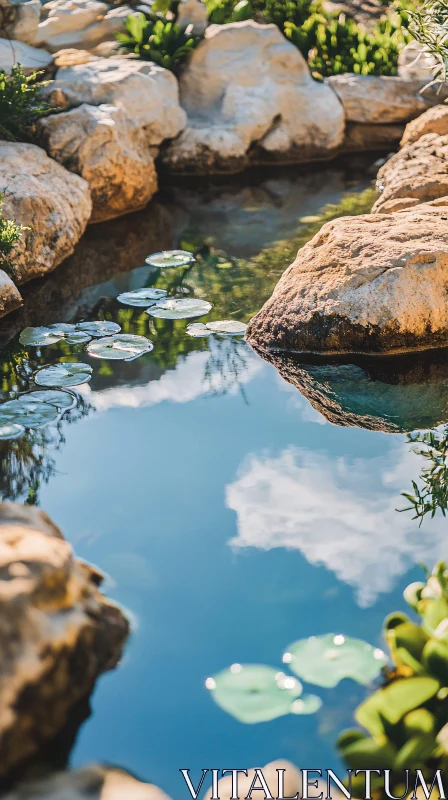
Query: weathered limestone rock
x: 10, y: 297
x: 31, y: 58
x: 148, y: 95
x: 57, y: 633
x: 250, y: 97
x: 435, y: 120
x: 79, y: 23
x: 91, y: 783
x: 371, y: 283
x: 20, y: 19
x: 52, y: 203
x: 98, y: 143
x: 382, y: 99
x: 194, y: 13
x: 415, y: 63
x: 419, y: 171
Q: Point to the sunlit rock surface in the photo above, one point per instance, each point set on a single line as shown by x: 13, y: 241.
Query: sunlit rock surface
x: 371, y: 283
x: 416, y: 174
x: 79, y: 23
x: 99, y: 143
x: 194, y: 13
x: 250, y: 97
x: 435, y: 120
x: 148, y: 95
x: 31, y: 58
x: 10, y: 297
x: 57, y: 632
x: 92, y: 783
x: 20, y: 19
x: 401, y: 393
x: 382, y: 99
x: 53, y: 204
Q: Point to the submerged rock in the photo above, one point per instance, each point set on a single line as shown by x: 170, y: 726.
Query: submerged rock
x: 250, y: 98
x: 397, y: 394
x: 91, y: 783
x: 98, y: 143
x: 53, y: 204
x: 416, y: 174
x: 79, y: 23
x: 371, y: 283
x: 10, y: 297
x: 57, y: 632
x: 292, y: 782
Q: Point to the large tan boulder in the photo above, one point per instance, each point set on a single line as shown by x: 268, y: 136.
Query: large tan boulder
x: 90, y: 783
x: 57, y: 632
x: 250, y: 97
x: 98, y: 143
x: 31, y: 58
x: 416, y: 174
x: 434, y: 120
x: 10, y: 297
x: 382, y: 99
x: 53, y: 204
x: 371, y: 284
x: 79, y: 23
x: 20, y: 19
x: 147, y: 94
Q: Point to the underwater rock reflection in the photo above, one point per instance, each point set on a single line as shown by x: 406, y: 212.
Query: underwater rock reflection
x: 388, y: 394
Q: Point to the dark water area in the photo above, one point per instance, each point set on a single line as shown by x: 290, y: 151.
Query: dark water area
x: 235, y: 505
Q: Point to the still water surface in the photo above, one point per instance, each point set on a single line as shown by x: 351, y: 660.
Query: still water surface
x: 230, y: 514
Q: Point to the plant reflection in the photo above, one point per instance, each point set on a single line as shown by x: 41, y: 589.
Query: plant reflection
x: 432, y: 495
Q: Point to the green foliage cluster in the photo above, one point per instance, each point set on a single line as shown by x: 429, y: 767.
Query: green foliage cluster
x: 335, y: 45
x: 157, y: 39
x: 429, y: 26
x: 10, y: 234
x: 407, y: 719
x: 20, y: 104
x: 433, y: 494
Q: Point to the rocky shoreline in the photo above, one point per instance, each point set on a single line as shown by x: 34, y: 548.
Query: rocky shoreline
x: 245, y: 96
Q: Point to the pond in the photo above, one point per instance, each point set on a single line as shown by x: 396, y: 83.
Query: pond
x: 234, y: 505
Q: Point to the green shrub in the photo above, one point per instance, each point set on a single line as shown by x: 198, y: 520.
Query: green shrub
x: 337, y: 45
x: 405, y: 721
x: 10, y: 234
x: 281, y: 11
x: 20, y: 104
x: 429, y: 26
x: 155, y: 39
x: 221, y: 12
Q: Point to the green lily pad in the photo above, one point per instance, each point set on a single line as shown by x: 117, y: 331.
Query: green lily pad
x: 38, y: 337
x: 254, y: 692
x: 63, y: 328
x: 230, y: 327
x: 30, y: 415
x: 11, y: 430
x: 179, y: 308
x: 55, y: 397
x: 326, y: 660
x: 198, y: 329
x: 124, y: 347
x: 78, y: 337
x: 141, y: 297
x: 99, y: 328
x: 71, y: 373
x: 170, y: 258
x: 307, y: 704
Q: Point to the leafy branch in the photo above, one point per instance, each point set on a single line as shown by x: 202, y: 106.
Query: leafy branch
x: 433, y: 494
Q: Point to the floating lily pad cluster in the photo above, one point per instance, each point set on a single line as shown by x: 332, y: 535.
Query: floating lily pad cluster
x: 33, y: 410
x: 257, y: 693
